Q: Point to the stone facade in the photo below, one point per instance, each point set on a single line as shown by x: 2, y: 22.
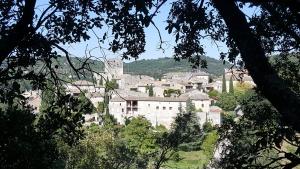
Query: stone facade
x: 159, y: 111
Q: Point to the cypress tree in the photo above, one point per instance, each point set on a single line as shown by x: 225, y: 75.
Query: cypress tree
x: 101, y: 81
x: 231, y: 91
x: 150, y: 90
x: 224, y: 90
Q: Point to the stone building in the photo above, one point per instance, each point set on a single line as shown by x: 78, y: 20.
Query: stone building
x: 158, y: 110
x: 113, y: 68
x: 214, y: 116
x: 75, y: 88
x: 199, y: 99
x: 237, y: 76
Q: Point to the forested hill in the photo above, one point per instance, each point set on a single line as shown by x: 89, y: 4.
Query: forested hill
x: 152, y: 67
x: 157, y: 67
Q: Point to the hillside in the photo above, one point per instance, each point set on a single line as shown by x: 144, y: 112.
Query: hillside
x: 152, y: 67
x: 157, y: 67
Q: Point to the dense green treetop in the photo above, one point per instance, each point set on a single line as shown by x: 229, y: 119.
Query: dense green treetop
x: 227, y: 102
x: 139, y: 134
x: 111, y: 85
x: 257, y: 138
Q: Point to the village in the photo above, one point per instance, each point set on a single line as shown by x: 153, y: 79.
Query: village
x: 157, y: 100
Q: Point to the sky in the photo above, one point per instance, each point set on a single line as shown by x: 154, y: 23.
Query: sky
x: 152, y: 40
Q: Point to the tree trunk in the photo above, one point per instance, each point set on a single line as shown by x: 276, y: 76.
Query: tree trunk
x: 252, y: 53
x: 22, y: 29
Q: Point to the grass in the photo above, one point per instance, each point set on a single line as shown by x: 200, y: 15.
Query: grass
x: 196, y: 159
x: 190, y: 160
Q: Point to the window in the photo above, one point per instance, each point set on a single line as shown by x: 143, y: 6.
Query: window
x: 120, y: 104
x: 202, y: 105
x: 148, y: 105
x: 157, y: 107
x: 170, y: 108
x: 164, y: 108
x: 122, y: 110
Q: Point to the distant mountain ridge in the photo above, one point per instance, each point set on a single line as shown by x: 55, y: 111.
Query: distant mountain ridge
x: 157, y: 67
x: 151, y: 67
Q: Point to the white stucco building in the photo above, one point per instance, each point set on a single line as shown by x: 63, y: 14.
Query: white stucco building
x: 214, y: 116
x: 199, y: 99
x: 158, y: 110
x: 91, y: 118
x: 197, y: 78
x: 79, y: 86
x: 95, y: 98
x: 33, y: 99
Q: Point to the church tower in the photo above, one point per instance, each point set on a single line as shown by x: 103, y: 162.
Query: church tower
x: 114, y: 68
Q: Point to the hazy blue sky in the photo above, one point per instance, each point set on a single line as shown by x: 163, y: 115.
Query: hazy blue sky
x: 152, y: 40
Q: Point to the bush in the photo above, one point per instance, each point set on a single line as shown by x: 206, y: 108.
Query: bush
x: 207, y: 127
x: 192, y: 146
x: 214, y: 94
x: 209, y: 143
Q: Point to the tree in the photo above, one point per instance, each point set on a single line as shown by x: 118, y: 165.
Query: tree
x: 31, y: 140
x: 190, y: 106
x: 29, y: 37
x: 22, y: 144
x: 169, y: 92
x: 102, y: 148
x: 214, y: 94
x: 207, y: 127
x: 101, y: 81
x: 288, y: 67
x: 240, y: 89
x: 151, y: 91
x: 184, y: 129
x: 62, y: 119
x: 263, y: 137
x: 224, y: 88
x: 48, y: 96
x: 85, y: 105
x: 111, y: 85
x: 231, y: 90
x: 258, y: 137
x: 192, y: 21
x: 139, y: 135
x: 101, y: 107
x: 227, y: 102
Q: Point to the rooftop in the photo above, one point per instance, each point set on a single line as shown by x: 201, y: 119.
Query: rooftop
x: 195, y: 95
x: 215, y: 109
x: 170, y: 75
x: 128, y: 93
x: 159, y: 99
x: 83, y: 83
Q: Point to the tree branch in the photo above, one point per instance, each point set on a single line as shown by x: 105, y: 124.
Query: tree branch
x: 68, y: 58
x: 20, y: 31
x: 252, y: 53
x: 157, y: 8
